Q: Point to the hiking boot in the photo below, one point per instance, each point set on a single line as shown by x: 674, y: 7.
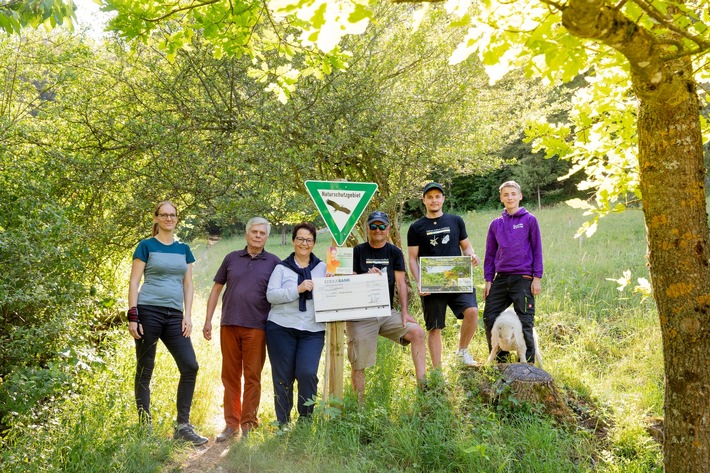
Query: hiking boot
x: 186, y: 432
x: 226, y: 434
x: 466, y: 357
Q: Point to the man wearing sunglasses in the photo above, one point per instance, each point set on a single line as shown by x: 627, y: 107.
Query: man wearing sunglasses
x: 377, y: 255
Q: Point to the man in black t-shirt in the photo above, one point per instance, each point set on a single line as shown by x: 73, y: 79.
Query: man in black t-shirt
x: 442, y: 234
x: 379, y: 256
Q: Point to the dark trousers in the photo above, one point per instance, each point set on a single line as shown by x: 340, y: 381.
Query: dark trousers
x: 294, y: 356
x: 513, y: 289
x: 164, y: 323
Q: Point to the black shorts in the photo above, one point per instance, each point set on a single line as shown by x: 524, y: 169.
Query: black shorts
x: 434, y: 306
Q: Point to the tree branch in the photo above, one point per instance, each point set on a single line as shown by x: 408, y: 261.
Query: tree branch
x: 597, y: 21
x: 557, y: 6
x: 669, y: 25
x: 192, y: 6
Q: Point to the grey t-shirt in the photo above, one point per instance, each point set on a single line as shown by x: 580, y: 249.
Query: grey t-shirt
x: 165, y: 268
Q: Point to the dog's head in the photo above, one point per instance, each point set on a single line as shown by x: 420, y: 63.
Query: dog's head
x: 508, y: 326
x: 506, y: 333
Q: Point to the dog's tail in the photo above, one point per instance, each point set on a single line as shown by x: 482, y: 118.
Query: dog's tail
x: 538, y: 353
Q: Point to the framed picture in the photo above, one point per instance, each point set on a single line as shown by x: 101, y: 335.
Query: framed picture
x: 439, y: 274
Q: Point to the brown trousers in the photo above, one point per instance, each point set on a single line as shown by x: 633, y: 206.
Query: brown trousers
x: 243, y: 355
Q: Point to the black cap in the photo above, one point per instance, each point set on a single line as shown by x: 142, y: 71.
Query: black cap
x: 378, y: 216
x: 433, y: 185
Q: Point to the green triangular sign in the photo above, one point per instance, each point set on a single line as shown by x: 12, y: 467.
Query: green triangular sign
x: 341, y: 204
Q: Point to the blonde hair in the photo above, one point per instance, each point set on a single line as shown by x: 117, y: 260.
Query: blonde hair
x: 510, y: 184
x: 154, y: 230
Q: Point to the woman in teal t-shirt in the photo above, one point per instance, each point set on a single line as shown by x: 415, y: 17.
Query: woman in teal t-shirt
x: 161, y: 309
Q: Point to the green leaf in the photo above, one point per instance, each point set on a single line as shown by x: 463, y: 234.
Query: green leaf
x: 318, y: 18
x: 462, y: 22
x: 361, y: 12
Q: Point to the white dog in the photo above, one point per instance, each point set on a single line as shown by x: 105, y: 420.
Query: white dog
x: 507, y: 335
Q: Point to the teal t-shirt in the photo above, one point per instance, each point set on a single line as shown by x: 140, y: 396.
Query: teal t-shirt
x: 165, y: 268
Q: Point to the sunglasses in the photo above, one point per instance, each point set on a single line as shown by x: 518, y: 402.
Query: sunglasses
x: 374, y: 226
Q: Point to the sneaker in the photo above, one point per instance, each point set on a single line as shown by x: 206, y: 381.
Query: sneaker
x: 187, y: 433
x: 284, y: 427
x: 466, y: 357
x: 227, y: 434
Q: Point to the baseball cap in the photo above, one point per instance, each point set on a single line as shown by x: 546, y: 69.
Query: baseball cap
x: 378, y: 216
x: 433, y: 185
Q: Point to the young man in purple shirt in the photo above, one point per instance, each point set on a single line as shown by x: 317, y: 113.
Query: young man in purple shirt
x: 512, y: 266
x: 246, y: 274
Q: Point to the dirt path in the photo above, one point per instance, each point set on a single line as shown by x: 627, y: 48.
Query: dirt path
x: 205, y: 459
x: 208, y: 458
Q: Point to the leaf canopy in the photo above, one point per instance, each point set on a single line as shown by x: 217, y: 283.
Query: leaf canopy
x: 18, y: 14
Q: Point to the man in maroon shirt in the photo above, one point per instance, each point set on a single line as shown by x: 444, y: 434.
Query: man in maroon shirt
x: 244, y: 311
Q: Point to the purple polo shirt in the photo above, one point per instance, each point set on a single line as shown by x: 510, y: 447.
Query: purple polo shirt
x: 245, y: 278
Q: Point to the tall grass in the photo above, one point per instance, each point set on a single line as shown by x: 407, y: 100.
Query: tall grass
x: 601, y: 346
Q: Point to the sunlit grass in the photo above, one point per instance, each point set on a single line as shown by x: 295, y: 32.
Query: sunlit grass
x: 601, y: 346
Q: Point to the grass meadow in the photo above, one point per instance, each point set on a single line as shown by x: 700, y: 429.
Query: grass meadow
x: 601, y: 345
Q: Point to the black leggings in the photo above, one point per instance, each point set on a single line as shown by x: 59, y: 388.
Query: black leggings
x: 164, y: 323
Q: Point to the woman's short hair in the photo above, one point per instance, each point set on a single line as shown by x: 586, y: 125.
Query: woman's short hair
x: 308, y: 226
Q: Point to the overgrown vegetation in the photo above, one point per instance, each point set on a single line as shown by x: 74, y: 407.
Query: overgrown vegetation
x: 601, y: 346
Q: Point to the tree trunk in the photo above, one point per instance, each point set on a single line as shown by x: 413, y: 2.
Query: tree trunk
x: 672, y: 181
x: 539, y: 199
x: 671, y: 173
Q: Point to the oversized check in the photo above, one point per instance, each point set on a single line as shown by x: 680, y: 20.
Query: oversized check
x: 358, y: 296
